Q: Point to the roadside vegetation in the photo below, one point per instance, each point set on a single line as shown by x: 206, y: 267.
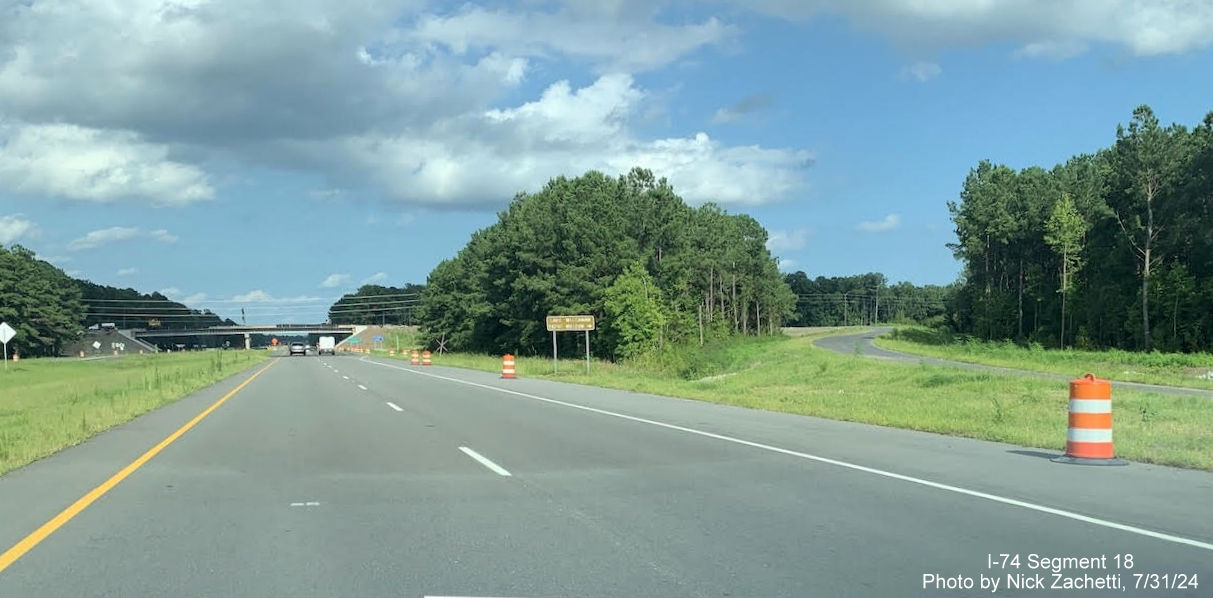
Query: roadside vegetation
x: 47, y: 405
x: 1193, y: 370
x: 791, y: 375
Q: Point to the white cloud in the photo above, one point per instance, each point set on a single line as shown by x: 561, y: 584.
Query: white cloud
x: 57, y: 260
x: 1142, y: 27
x: 921, y: 71
x: 375, y: 278
x: 170, y: 292
x: 192, y: 299
x: 73, y: 273
x: 779, y: 241
x: 14, y: 227
x: 115, y: 234
x: 105, y: 236
x: 73, y: 162
x: 254, y: 296
x: 886, y: 224
x: 127, y: 271
x: 260, y: 296
x: 335, y: 280
x: 397, y: 99
x: 617, y: 42
x: 162, y: 236
x: 483, y: 158
x: 787, y: 265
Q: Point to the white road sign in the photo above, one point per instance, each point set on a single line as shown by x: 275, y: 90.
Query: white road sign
x: 96, y: 344
x: 6, y: 332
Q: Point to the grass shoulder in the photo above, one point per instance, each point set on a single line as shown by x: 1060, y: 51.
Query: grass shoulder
x: 1191, y: 370
x: 47, y: 405
x: 791, y: 375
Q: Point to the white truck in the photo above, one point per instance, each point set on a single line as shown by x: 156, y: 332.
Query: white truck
x: 325, y: 344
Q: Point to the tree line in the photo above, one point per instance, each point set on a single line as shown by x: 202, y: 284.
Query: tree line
x: 1109, y: 249
x: 377, y: 304
x: 628, y: 250
x: 864, y: 299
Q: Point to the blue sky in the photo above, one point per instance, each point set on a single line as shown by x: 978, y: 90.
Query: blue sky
x: 273, y: 156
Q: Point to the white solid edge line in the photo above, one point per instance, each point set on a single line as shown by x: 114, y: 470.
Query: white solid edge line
x: 499, y: 470
x: 394, y: 406
x: 345, y: 377
x: 362, y: 387
x: 872, y: 470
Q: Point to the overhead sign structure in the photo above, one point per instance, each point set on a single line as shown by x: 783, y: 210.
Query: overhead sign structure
x: 6, y: 334
x: 567, y: 324
x: 563, y: 323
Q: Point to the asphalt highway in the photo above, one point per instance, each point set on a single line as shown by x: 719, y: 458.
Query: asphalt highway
x: 348, y: 476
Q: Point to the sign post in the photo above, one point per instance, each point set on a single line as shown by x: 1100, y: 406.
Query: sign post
x: 570, y: 323
x: 6, y: 334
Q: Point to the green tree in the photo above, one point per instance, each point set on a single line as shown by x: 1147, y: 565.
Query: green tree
x: 1064, y: 232
x: 39, y: 301
x: 634, y: 310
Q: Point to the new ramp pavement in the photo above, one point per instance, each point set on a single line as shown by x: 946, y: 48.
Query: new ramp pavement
x: 862, y: 343
x: 351, y: 476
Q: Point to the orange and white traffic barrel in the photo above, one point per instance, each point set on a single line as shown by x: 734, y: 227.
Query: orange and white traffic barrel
x: 391, y: 352
x: 415, y: 360
x: 1089, y: 434
x: 425, y: 358
x: 507, y: 366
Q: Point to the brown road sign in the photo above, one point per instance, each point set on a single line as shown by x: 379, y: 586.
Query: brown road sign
x: 563, y: 323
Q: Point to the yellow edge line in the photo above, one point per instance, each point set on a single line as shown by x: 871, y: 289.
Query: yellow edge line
x: 11, y: 555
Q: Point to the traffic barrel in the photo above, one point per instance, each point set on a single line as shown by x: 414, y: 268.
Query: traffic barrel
x: 391, y: 352
x: 82, y: 355
x: 507, y: 366
x: 415, y: 360
x: 16, y: 357
x: 425, y: 358
x: 1089, y: 433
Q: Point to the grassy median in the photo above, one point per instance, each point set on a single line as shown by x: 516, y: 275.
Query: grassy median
x: 1193, y: 370
x: 791, y: 375
x: 49, y: 404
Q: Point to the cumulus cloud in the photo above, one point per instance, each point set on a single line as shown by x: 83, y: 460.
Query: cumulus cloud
x: 260, y: 296
x: 162, y: 236
x: 398, y: 99
x: 116, y: 234
x: 781, y: 240
x: 375, y: 278
x: 127, y: 271
x: 335, y: 280
x: 170, y: 292
x: 14, y: 227
x: 105, y: 236
x: 1143, y: 28
x: 921, y: 71
x: 886, y: 224
x: 747, y: 105
x: 611, y: 40
x: 787, y: 265
x: 192, y: 299
x: 74, y: 162
x: 482, y: 158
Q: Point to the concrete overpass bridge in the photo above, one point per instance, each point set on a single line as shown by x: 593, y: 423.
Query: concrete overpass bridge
x: 246, y: 332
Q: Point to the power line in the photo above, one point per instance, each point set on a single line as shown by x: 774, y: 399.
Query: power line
x: 289, y: 300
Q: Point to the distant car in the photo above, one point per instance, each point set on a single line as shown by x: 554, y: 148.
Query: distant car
x: 298, y: 349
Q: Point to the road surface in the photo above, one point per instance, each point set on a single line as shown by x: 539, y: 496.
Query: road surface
x: 350, y: 476
x: 863, y: 343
